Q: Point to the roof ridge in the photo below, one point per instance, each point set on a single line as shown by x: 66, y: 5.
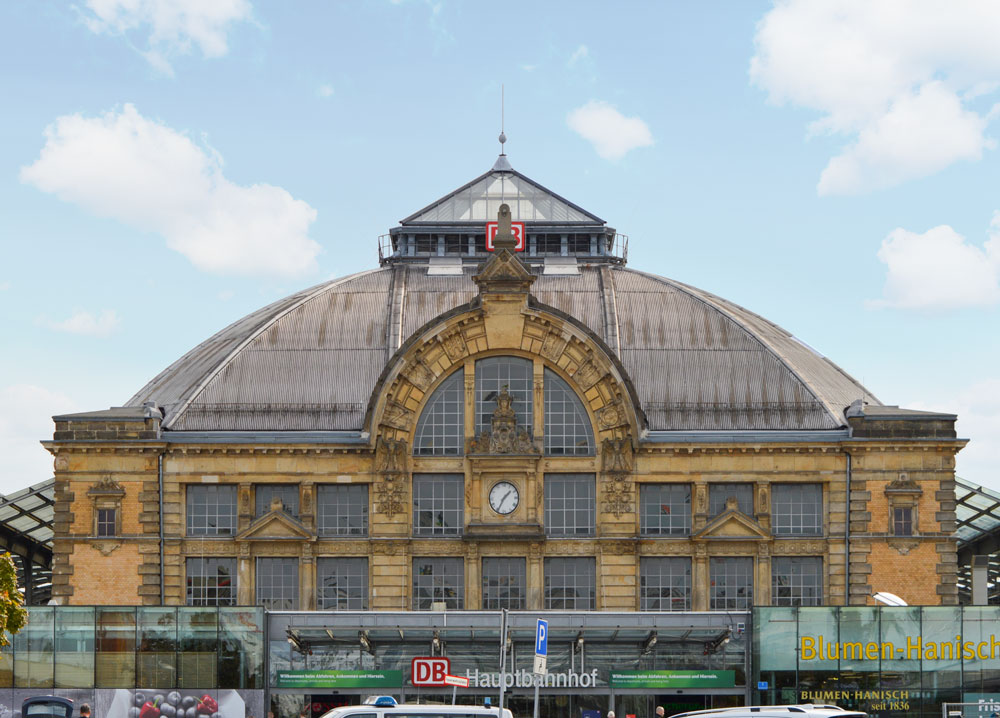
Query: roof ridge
x: 693, y: 292
x: 307, y: 297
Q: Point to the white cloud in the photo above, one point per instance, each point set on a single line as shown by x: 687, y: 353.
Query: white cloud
x: 939, y: 269
x: 174, y: 26
x: 85, y: 323
x: 4, y: 286
x: 612, y: 134
x: 897, y: 77
x: 25, y: 419
x: 324, y: 91
x: 580, y: 53
x: 151, y: 177
x: 978, y: 410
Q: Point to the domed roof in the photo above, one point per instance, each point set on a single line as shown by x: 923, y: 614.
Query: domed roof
x: 311, y: 361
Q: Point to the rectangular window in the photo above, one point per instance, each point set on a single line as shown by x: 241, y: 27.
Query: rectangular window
x: 503, y: 583
x: 493, y: 375
x: 342, y: 584
x: 570, y: 583
x: 570, y: 504
x: 438, y: 504
x: 718, y: 494
x: 342, y: 509
x: 731, y: 583
x: 265, y: 494
x: 211, y: 510
x: 438, y: 580
x: 902, y: 521
x: 665, y: 584
x: 549, y: 244
x: 579, y: 244
x: 797, y: 581
x: 107, y: 522
x: 278, y: 584
x: 211, y: 581
x: 797, y: 509
x: 665, y: 509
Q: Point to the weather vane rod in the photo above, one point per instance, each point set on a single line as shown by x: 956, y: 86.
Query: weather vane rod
x: 503, y: 137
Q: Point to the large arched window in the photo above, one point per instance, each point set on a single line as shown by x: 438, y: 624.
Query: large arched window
x: 492, y: 375
x: 567, y: 426
x: 441, y: 426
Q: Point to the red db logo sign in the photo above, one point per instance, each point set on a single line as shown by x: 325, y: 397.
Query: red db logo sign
x: 429, y: 671
x: 516, y: 228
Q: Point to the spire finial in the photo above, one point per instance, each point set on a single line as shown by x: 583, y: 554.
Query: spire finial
x: 503, y: 137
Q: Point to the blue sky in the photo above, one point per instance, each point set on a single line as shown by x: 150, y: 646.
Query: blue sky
x: 168, y: 166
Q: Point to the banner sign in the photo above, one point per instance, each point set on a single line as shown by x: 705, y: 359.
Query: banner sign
x: 672, y: 679
x: 339, y: 679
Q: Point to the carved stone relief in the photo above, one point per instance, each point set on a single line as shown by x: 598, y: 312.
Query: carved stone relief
x: 420, y: 375
x: 587, y: 374
x: 612, y: 415
x: 504, y: 435
x: 390, y: 466
x: 700, y: 498
x: 616, y: 460
x: 552, y: 347
x: 454, y: 345
x: 396, y: 415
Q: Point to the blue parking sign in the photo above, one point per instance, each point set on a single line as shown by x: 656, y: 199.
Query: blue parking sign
x: 542, y: 637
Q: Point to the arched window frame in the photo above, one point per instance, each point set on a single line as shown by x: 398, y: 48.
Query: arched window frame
x: 447, y: 400
x: 565, y: 443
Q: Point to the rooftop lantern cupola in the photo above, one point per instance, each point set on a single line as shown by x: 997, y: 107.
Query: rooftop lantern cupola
x: 458, y: 229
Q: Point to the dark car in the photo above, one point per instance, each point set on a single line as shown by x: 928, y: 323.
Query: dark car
x: 47, y: 707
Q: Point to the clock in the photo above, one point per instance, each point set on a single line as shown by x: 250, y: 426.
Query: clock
x: 504, y: 497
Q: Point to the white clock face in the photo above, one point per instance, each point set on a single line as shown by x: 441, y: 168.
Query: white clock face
x: 504, y: 497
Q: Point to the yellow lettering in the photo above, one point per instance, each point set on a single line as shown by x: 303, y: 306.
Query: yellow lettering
x: 968, y: 650
x: 946, y: 650
x: 808, y: 650
x: 930, y: 651
x: 855, y: 649
x: 994, y: 645
x: 981, y: 650
x: 888, y: 651
x: 871, y: 651
x: 833, y: 654
x: 912, y: 647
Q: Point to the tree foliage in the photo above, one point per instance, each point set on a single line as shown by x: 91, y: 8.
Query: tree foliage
x: 13, y: 614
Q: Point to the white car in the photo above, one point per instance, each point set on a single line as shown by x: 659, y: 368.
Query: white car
x: 387, y: 707
x: 796, y: 711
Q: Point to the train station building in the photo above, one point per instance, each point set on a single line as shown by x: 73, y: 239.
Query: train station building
x: 502, y: 416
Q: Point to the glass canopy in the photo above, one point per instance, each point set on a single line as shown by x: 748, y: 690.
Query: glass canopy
x: 480, y: 200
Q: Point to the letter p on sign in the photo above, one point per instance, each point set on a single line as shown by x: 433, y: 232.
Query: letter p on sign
x: 429, y: 671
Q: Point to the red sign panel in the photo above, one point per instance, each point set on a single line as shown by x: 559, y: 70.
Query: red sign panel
x: 429, y: 671
x: 516, y: 228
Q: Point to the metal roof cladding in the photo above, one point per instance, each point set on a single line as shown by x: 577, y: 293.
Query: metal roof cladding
x: 310, y: 362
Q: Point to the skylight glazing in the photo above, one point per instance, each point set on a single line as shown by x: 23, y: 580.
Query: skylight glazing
x: 481, y: 200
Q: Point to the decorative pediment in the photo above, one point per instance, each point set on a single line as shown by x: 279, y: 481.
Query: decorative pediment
x: 733, y: 524
x: 106, y: 487
x: 275, y: 524
x: 903, y: 484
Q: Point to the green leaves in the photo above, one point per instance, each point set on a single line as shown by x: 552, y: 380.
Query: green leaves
x: 13, y: 614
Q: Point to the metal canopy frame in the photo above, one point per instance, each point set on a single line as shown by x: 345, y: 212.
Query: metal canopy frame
x: 307, y: 629
x: 977, y: 513
x: 26, y: 532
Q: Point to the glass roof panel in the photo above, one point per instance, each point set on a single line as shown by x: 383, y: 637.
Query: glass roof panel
x: 977, y: 511
x: 480, y: 201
